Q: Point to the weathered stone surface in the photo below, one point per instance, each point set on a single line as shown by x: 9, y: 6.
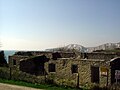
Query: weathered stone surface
x: 63, y: 73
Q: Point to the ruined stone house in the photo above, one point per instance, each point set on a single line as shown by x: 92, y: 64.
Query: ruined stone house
x: 69, y: 69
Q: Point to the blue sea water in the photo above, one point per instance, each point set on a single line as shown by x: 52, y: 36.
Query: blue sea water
x: 8, y: 53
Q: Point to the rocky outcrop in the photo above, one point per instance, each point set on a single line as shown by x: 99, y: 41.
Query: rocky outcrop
x: 107, y: 46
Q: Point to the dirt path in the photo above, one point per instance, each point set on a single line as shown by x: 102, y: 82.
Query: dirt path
x: 15, y: 87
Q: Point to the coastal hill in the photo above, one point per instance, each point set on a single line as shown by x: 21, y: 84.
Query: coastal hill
x: 80, y: 48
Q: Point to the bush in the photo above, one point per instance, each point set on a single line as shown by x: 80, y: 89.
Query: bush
x: 20, y: 76
x: 4, y: 73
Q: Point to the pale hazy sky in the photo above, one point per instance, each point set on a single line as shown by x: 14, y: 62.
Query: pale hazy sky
x: 42, y: 24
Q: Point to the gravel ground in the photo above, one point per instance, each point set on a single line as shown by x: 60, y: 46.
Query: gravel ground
x: 15, y: 87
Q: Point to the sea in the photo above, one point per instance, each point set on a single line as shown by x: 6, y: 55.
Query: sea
x: 8, y: 53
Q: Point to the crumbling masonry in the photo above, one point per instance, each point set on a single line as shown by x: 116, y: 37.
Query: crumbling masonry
x: 68, y: 68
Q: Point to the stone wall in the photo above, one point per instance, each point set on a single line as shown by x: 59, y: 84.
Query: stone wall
x: 14, y: 61
x: 46, y: 53
x: 34, y: 65
x: 27, y: 55
x: 106, y: 56
x: 64, y: 75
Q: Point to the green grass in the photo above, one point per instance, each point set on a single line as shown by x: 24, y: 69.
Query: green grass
x: 39, y: 86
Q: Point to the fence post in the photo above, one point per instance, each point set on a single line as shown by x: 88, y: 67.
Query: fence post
x: 107, y: 77
x: 78, y: 80
x: 10, y: 73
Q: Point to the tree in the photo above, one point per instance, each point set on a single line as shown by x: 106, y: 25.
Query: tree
x: 3, y: 62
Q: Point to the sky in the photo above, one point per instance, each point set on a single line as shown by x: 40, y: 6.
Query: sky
x: 43, y: 24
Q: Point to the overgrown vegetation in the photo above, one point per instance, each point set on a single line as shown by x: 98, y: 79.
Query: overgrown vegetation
x: 39, y: 86
x: 24, y: 79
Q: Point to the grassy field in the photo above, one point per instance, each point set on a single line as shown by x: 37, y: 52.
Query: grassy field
x: 39, y: 86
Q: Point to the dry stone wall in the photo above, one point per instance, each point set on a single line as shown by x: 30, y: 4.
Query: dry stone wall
x: 64, y: 76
